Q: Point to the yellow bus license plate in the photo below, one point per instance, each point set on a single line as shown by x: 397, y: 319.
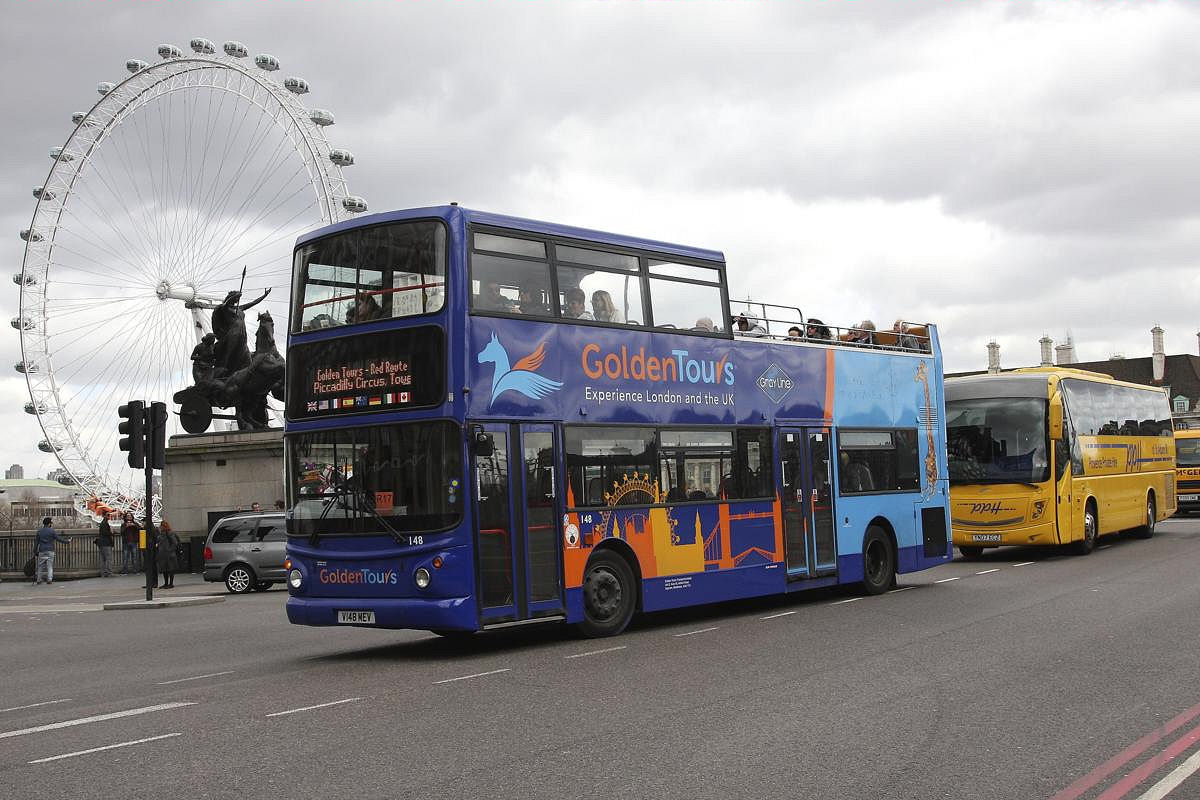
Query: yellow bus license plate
x: 985, y: 537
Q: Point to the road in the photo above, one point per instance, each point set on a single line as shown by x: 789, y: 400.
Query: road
x: 1025, y: 674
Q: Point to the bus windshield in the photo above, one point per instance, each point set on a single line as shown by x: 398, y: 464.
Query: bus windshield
x: 377, y: 480
x: 1187, y: 452
x: 997, y: 440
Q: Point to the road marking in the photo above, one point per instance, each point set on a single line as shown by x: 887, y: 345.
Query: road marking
x: 133, y: 712
x: 693, y: 633
x: 988, y: 571
x: 105, y: 747
x: 1151, y: 766
x: 35, y: 705
x: 1082, y: 785
x: 848, y: 600
x: 1023, y: 564
x: 195, y: 678
x: 1173, y: 779
x: 777, y: 616
x: 597, y: 652
x: 310, y: 708
x: 947, y: 580
x: 468, y: 677
x: 901, y: 589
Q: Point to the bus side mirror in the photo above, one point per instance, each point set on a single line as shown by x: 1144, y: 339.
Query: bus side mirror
x: 1056, y: 419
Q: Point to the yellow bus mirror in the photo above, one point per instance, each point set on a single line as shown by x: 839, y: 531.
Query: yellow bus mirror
x: 1056, y: 419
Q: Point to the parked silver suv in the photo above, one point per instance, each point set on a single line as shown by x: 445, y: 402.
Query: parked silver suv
x: 246, y: 551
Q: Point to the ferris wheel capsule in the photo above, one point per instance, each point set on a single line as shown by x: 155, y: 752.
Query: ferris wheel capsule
x: 40, y: 408
x: 321, y: 117
x: 169, y: 51
x: 203, y: 46
x: 30, y: 235
x: 22, y: 323
x: 295, y: 85
x: 104, y: 87
x: 135, y: 65
x: 23, y: 279
x: 42, y: 193
x: 46, y: 446
x: 265, y: 61
x: 355, y: 205
x: 24, y: 368
x: 236, y: 49
x: 61, y: 154
x: 343, y: 158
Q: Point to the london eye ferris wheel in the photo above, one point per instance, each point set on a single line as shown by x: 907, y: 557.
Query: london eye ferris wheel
x: 187, y: 175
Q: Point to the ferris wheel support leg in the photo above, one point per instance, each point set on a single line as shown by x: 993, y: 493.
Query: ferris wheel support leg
x: 200, y: 323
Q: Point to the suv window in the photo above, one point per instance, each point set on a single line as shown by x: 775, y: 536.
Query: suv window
x: 271, y: 529
x: 235, y: 531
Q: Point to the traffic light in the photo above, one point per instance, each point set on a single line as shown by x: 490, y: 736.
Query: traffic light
x: 133, y: 429
x: 157, y: 450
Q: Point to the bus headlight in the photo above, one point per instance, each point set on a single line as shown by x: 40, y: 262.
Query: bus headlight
x: 422, y: 578
x: 1039, y: 508
x: 295, y: 579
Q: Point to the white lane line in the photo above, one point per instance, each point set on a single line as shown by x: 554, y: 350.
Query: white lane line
x: 195, y: 678
x: 597, y: 652
x: 310, y: 708
x: 133, y: 712
x: 105, y: 747
x: 777, y: 616
x: 947, y: 580
x: 1173, y: 779
x: 693, y: 633
x: 1023, y: 564
x: 901, y: 589
x: 848, y: 600
x: 988, y: 571
x: 468, y: 677
x: 35, y: 705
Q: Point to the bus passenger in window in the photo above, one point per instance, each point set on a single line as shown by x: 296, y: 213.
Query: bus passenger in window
x: 365, y: 309
x: 705, y: 324
x: 856, y: 477
x: 492, y: 300
x: 603, y: 309
x: 794, y: 332
x: 530, y: 302
x: 815, y: 329
x: 576, y: 304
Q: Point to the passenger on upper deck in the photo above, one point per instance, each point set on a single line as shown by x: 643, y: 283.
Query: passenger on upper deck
x: 815, y: 329
x: 704, y: 324
x: 532, y: 303
x: 903, y: 338
x: 794, y: 332
x: 365, y: 309
x: 576, y: 308
x: 864, y: 333
x: 603, y: 309
x: 748, y: 324
x: 490, y: 299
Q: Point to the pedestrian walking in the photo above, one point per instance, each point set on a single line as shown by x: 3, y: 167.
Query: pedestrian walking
x: 168, y: 554
x: 129, y: 545
x: 104, y: 540
x: 46, y: 539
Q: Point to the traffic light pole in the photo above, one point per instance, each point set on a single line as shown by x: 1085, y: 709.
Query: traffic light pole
x: 145, y: 429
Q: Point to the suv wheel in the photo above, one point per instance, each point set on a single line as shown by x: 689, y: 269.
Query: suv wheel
x: 240, y: 579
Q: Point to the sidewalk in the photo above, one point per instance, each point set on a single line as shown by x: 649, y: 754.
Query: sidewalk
x: 91, y: 594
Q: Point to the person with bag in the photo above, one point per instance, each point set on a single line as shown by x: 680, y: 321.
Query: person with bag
x: 168, y: 554
x: 129, y: 545
x: 46, y: 539
x: 105, y: 542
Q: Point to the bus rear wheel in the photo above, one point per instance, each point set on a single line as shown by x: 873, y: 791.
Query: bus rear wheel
x: 1090, y: 532
x: 970, y: 551
x: 609, y: 595
x: 1147, y: 530
x: 879, y: 562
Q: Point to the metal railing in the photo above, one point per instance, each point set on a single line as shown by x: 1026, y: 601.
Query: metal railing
x: 76, y: 556
x: 787, y: 323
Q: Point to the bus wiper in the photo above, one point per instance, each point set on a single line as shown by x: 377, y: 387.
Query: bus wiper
x: 365, y: 502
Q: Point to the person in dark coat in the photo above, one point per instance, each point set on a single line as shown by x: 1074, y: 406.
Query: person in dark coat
x: 105, y: 542
x: 168, y: 555
x: 129, y: 544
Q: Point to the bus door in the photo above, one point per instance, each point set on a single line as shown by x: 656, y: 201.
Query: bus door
x: 1062, y: 480
x: 809, y: 534
x: 517, y: 559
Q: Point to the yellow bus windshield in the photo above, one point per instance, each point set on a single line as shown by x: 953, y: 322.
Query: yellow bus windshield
x: 997, y: 440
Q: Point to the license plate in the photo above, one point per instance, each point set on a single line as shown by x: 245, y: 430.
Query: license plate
x: 1189, y: 498
x: 985, y: 537
x: 356, y: 617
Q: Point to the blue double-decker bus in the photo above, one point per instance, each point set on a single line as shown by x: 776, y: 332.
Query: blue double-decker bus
x: 492, y: 420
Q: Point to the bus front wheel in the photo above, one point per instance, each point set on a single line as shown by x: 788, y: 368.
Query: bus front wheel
x: 1147, y: 530
x: 879, y: 562
x: 1090, y: 532
x: 609, y: 595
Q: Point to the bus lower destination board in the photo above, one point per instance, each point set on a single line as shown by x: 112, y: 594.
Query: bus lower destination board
x: 521, y: 421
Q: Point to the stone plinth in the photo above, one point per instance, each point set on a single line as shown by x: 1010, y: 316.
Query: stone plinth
x: 209, y: 473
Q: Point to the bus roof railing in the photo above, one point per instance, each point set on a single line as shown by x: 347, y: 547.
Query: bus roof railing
x: 774, y: 321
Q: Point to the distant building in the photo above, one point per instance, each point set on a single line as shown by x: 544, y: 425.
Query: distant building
x: 1178, y: 374
x: 14, y: 473
x: 61, y: 477
x: 26, y: 502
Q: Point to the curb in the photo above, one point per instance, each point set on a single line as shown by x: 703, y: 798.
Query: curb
x: 131, y: 605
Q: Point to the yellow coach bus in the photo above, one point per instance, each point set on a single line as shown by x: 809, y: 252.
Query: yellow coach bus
x: 1187, y: 469
x: 1052, y: 456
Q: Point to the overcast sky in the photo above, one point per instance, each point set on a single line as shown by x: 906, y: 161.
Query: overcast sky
x: 1004, y: 169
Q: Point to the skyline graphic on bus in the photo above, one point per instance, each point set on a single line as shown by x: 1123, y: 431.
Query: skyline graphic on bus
x: 521, y: 377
